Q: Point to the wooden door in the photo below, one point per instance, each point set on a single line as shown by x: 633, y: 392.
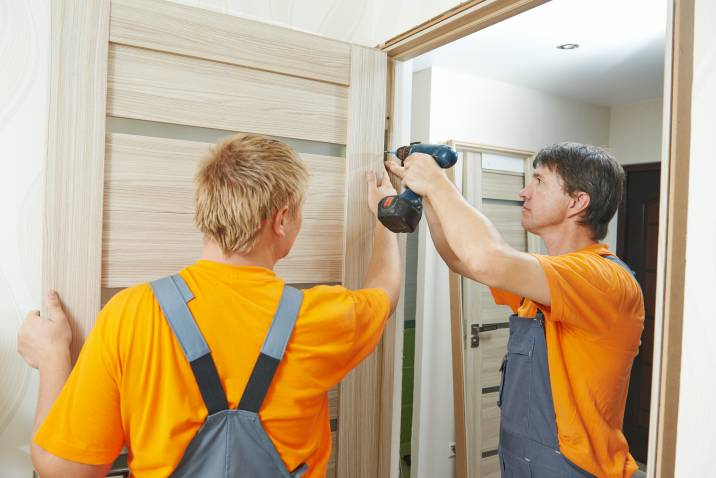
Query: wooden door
x: 638, y: 233
x: 491, y: 181
x: 139, y: 90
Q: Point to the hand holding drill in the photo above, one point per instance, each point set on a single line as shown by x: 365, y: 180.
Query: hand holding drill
x: 402, y: 213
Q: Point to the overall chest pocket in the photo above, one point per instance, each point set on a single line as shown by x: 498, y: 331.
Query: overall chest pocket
x: 515, y: 388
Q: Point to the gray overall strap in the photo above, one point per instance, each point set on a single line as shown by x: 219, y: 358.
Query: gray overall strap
x: 616, y: 260
x: 272, y: 351
x: 172, y: 293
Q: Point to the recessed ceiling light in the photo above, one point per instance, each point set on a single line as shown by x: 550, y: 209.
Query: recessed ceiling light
x: 568, y: 46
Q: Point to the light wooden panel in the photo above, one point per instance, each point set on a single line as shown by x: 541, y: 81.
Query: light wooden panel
x: 491, y: 313
x: 72, y: 244
x: 157, y: 86
x: 498, y: 185
x: 508, y: 220
x: 494, y: 193
x: 332, y: 414
x: 490, y: 422
x: 359, y: 438
x: 458, y: 379
x: 149, y: 230
x: 331, y: 468
x: 493, y: 345
x: 490, y: 467
x: 200, y: 33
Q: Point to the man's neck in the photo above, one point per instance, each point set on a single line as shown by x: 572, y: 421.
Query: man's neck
x: 259, y: 257
x: 560, y: 241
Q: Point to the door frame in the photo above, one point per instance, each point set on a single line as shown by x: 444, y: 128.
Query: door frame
x: 622, y: 222
x: 475, y: 15
x: 458, y: 324
x: 621, y: 225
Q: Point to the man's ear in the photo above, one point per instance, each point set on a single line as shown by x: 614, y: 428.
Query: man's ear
x: 279, y: 221
x: 579, y: 204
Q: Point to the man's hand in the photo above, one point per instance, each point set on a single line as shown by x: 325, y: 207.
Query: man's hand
x: 377, y: 191
x: 420, y: 173
x: 42, y: 340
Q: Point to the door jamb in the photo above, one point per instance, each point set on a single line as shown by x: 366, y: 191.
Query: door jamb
x: 676, y: 134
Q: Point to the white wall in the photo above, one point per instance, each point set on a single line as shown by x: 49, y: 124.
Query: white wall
x: 481, y: 110
x: 457, y: 106
x: 634, y: 137
x: 24, y: 46
x: 697, y: 417
x: 635, y: 131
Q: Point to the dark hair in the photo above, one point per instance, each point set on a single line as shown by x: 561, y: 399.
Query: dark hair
x: 592, y: 170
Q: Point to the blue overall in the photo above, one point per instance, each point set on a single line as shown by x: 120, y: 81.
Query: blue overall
x: 529, y: 447
x: 231, y: 443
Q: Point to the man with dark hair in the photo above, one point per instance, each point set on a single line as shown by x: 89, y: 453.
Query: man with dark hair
x: 578, y: 312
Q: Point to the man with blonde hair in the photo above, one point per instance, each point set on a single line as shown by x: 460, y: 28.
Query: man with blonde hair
x: 224, y: 339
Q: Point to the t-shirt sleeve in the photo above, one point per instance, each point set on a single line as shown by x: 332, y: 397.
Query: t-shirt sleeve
x: 586, y: 290
x: 338, y: 329
x: 502, y: 297
x: 371, y: 308
x: 84, y: 424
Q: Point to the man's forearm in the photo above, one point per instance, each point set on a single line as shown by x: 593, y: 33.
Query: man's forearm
x: 53, y: 375
x: 384, y: 268
x: 438, y: 236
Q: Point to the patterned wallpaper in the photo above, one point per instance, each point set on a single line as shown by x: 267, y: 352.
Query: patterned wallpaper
x: 24, y: 49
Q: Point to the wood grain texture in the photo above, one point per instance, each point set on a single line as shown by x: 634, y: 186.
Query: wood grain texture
x: 157, y: 86
x: 471, y: 308
x: 457, y: 346
x: 534, y: 242
x: 492, y: 192
x: 490, y: 467
x: 490, y: 421
x: 508, y: 220
x: 506, y: 186
x: 359, y: 404
x: 200, y: 33
x: 149, y: 230
x: 493, y: 345
x: 490, y: 312
x: 673, y: 222
x: 72, y: 231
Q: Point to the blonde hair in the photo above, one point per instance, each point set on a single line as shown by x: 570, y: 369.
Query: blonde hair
x: 242, y: 181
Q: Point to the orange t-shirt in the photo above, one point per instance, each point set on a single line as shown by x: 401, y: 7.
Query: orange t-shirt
x: 592, y: 328
x: 132, y: 385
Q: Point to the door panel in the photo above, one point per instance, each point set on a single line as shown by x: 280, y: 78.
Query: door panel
x: 188, y: 31
x: 126, y: 217
x: 496, y: 194
x: 637, y: 245
x: 158, y: 86
x: 148, y: 213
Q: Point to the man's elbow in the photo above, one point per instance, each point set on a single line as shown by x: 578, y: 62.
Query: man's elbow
x: 486, y: 266
x: 42, y: 462
x: 48, y: 465
x: 393, y: 296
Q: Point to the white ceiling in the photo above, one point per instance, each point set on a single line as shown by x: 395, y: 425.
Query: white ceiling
x: 620, y: 58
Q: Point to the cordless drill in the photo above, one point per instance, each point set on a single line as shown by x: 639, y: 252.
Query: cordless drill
x: 402, y: 213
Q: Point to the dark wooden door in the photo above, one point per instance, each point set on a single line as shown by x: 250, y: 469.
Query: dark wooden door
x: 637, y: 246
